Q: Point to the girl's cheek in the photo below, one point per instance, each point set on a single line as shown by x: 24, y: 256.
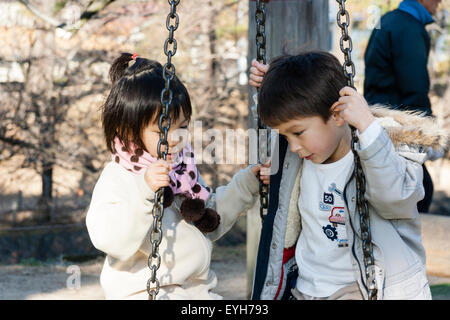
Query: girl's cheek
x: 152, y: 147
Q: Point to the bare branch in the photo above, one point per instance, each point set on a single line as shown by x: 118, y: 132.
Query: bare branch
x: 35, y: 11
x: 92, y: 10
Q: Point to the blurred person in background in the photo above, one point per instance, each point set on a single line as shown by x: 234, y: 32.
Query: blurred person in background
x: 396, y: 61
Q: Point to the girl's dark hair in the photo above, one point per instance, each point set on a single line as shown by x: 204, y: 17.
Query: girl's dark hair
x: 135, y: 100
x: 302, y: 85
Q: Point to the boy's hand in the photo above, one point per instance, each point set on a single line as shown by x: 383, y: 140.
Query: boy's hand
x: 353, y: 108
x: 257, y: 72
x: 157, y: 174
x: 264, y: 172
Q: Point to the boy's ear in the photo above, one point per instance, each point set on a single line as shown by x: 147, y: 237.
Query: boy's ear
x: 336, y: 116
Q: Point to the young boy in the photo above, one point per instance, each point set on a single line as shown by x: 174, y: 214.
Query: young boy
x: 310, y: 246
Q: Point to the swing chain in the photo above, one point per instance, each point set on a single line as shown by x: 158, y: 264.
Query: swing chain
x: 164, y: 122
x: 169, y: 68
x: 260, y: 17
x: 361, y: 202
x: 346, y: 43
x: 263, y: 188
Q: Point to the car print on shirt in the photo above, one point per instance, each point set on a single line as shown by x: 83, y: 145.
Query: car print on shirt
x: 337, y: 216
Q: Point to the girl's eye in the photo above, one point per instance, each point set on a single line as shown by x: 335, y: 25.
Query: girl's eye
x: 184, y: 127
x: 298, y: 133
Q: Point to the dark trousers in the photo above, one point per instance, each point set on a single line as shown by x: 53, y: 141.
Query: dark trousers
x: 424, y: 204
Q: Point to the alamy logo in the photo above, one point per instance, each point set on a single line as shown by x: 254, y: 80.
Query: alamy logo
x: 234, y: 146
x: 74, y: 280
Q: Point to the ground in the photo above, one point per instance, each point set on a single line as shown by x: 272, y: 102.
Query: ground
x: 49, y: 281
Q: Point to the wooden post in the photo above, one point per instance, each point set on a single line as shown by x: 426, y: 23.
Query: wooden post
x: 18, y: 207
x: 291, y: 25
x: 53, y: 207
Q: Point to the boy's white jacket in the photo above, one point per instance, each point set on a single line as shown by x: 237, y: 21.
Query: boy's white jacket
x: 119, y: 221
x: 393, y: 168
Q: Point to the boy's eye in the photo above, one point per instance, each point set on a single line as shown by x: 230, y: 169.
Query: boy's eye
x: 298, y: 133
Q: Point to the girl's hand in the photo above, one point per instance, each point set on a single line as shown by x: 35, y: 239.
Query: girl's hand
x: 353, y: 109
x: 264, y: 172
x: 257, y: 72
x: 157, y: 174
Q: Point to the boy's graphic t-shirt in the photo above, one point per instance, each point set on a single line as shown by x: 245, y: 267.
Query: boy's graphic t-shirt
x: 323, y: 255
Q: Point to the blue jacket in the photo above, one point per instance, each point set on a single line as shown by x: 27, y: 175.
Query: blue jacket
x: 396, y: 60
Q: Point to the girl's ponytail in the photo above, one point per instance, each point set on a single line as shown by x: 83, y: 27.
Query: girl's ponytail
x: 119, y: 66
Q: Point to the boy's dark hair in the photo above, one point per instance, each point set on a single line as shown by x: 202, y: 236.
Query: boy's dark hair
x: 135, y: 100
x: 302, y: 85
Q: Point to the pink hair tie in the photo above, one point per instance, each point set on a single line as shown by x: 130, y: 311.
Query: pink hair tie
x: 134, y: 56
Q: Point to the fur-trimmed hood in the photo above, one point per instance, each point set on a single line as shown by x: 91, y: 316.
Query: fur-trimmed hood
x: 413, y: 135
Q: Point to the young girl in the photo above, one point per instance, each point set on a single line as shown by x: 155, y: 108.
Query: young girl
x: 120, y: 218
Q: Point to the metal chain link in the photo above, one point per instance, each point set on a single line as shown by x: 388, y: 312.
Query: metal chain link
x: 154, y: 259
x: 346, y: 43
x: 260, y: 17
x: 361, y: 203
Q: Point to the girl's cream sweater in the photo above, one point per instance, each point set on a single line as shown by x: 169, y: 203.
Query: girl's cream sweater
x: 119, y: 221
